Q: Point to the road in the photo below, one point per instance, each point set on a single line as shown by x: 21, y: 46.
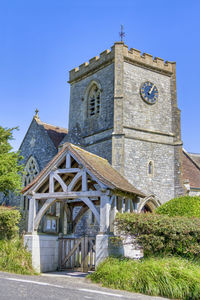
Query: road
x: 50, y: 286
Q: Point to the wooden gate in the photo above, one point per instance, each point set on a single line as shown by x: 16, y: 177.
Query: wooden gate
x: 77, y: 253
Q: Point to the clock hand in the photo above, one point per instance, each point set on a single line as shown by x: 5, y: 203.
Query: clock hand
x: 151, y: 89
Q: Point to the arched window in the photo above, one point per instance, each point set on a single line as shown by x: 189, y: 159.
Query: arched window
x: 94, y: 97
x: 31, y: 170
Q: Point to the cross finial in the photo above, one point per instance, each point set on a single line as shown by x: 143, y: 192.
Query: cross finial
x: 36, y: 114
x: 122, y: 33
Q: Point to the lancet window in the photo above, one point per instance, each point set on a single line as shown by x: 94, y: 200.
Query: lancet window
x: 150, y: 168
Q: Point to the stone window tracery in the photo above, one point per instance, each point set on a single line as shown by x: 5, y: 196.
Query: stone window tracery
x: 31, y: 171
x: 94, y: 98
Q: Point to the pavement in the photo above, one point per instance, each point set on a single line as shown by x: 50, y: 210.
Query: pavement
x: 59, y: 285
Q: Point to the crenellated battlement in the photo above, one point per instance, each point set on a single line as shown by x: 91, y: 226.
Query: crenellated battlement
x: 147, y: 59
x: 94, y: 63
x: 131, y: 55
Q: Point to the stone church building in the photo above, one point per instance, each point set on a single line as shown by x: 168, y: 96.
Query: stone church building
x: 123, y: 141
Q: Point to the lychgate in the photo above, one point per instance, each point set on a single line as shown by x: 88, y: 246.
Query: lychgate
x: 72, y: 206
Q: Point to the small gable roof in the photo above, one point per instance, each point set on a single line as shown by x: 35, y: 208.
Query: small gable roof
x: 191, y: 170
x: 97, y: 165
x: 55, y: 133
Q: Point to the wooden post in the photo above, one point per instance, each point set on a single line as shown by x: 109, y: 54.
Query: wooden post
x: 64, y: 223
x: 60, y: 252
x: 123, y: 205
x: 104, y: 214
x: 68, y: 251
x: 82, y: 253
x: 74, y: 255
x: 113, y: 212
x: 51, y: 183
x: 68, y: 161
x: 85, y: 266
x: 128, y: 205
x: 84, y: 181
x: 31, y: 215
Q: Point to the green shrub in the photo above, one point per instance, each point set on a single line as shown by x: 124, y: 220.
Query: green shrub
x: 9, y: 218
x: 161, y: 234
x: 168, y: 277
x: 183, y: 206
x: 14, y: 257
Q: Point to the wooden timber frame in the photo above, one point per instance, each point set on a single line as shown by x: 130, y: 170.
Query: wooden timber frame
x: 70, y: 182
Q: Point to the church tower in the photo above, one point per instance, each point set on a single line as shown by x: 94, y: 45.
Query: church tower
x: 123, y: 107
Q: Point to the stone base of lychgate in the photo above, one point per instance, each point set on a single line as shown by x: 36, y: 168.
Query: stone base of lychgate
x: 44, y: 250
x: 126, y: 246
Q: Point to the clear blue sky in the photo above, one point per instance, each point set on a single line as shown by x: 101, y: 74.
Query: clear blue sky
x: 41, y: 40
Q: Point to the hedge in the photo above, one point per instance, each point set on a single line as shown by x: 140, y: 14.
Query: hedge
x: 14, y: 257
x: 161, y: 234
x: 9, y: 218
x: 183, y: 206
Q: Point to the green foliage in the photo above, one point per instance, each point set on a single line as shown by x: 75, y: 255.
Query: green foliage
x: 161, y: 234
x: 14, y: 257
x: 174, y: 278
x: 9, y: 219
x: 183, y: 206
x: 10, y: 179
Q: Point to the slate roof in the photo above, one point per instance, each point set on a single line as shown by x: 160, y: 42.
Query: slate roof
x: 190, y: 170
x: 55, y: 133
x: 98, y: 166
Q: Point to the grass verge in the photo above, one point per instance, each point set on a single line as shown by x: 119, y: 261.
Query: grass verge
x: 14, y: 257
x: 171, y: 277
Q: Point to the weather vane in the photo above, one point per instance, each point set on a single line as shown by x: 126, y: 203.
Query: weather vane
x: 122, y: 33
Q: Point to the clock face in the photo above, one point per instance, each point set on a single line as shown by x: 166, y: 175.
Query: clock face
x: 149, y: 92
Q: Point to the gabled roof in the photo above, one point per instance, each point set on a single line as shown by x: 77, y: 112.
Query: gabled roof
x: 55, y: 133
x: 97, y: 165
x: 195, y: 157
x: 191, y: 170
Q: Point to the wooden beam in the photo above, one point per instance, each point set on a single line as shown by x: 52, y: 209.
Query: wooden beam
x: 92, y: 207
x: 51, y: 183
x: 68, y: 195
x: 81, y: 203
x: 74, y: 181
x: 68, y: 170
x: 61, y: 182
x: 68, y: 160
x: 79, y: 216
x: 84, y: 182
x: 42, y: 211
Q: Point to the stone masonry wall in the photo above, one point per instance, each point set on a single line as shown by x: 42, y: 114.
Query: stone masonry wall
x: 38, y: 144
x: 137, y: 156
x: 102, y: 148
x: 149, y: 134
x: 95, y: 128
x: 139, y: 114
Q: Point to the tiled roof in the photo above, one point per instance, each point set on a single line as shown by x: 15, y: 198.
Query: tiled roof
x: 195, y: 157
x: 55, y: 133
x: 190, y: 170
x: 101, y: 168
x: 97, y: 165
